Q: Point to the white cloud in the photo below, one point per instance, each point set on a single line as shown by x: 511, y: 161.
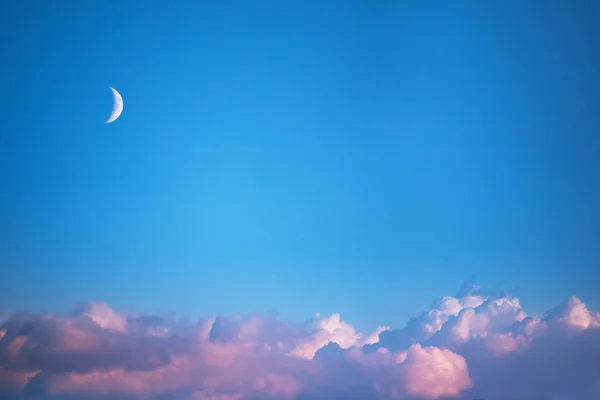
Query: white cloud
x: 102, y: 315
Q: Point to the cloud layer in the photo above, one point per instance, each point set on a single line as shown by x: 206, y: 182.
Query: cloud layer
x: 469, y: 346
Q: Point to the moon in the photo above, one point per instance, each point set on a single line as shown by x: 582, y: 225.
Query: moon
x: 117, y: 106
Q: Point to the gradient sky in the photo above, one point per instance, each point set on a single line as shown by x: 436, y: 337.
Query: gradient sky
x: 338, y: 156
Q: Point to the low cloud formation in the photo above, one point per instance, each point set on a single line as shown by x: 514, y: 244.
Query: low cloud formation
x: 464, y: 347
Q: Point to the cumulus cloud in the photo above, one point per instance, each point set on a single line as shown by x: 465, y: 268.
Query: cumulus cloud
x: 432, y: 372
x: 464, y: 347
x: 332, y: 329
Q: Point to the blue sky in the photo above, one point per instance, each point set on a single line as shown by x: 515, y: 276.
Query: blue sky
x: 353, y: 157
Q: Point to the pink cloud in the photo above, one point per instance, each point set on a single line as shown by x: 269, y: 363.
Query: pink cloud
x: 464, y: 347
x: 119, y: 382
x: 433, y: 373
x: 11, y: 382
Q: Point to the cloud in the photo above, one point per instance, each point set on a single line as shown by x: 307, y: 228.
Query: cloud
x: 431, y: 373
x: 325, y: 330
x: 554, y: 357
x: 468, y: 346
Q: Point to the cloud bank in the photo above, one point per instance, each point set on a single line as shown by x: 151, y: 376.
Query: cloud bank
x: 464, y: 347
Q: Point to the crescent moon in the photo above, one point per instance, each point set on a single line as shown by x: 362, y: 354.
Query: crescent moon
x: 117, y: 106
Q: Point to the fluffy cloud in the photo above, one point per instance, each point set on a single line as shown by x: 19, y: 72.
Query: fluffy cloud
x: 432, y: 373
x: 469, y: 346
x: 332, y: 329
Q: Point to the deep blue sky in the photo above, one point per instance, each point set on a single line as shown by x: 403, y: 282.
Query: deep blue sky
x: 310, y: 156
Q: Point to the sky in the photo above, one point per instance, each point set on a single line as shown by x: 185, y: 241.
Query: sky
x: 355, y: 156
x: 352, y: 157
